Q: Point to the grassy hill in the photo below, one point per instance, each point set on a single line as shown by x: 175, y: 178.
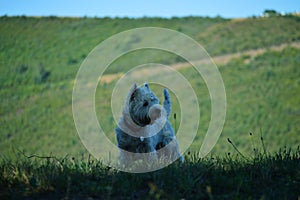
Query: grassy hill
x: 39, y: 58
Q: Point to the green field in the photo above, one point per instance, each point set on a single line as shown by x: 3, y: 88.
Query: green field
x: 39, y: 59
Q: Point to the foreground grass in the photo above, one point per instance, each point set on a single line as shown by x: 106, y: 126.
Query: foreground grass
x: 263, y: 176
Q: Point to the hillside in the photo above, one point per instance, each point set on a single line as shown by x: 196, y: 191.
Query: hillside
x: 39, y: 59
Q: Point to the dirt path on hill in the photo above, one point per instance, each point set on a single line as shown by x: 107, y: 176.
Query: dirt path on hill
x: 219, y: 60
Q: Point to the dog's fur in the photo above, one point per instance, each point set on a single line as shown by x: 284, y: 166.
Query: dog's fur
x: 144, y: 128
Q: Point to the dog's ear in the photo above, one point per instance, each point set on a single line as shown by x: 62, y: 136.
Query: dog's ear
x: 132, y: 96
x: 133, y: 87
x: 132, y: 91
x: 146, y: 85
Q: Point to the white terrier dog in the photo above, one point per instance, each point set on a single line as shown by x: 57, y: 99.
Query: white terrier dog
x: 144, y: 131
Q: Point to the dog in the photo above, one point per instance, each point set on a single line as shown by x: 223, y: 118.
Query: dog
x: 144, y: 128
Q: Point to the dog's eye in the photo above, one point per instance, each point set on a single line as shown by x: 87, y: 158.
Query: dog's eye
x: 145, y: 103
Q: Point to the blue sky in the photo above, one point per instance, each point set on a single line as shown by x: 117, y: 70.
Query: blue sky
x: 150, y: 8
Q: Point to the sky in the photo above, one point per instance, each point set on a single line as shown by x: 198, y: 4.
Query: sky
x: 148, y: 8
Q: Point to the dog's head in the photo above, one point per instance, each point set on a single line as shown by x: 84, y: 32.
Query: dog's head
x: 140, y: 102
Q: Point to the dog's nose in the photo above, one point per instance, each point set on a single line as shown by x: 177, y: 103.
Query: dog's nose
x: 145, y: 103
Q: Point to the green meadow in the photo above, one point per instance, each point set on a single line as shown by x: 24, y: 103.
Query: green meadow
x: 41, y: 153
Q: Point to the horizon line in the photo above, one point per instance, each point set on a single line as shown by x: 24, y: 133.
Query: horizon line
x: 141, y: 17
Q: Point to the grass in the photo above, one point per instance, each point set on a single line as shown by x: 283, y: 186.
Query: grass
x: 39, y: 58
x: 241, y: 35
x: 262, y: 176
